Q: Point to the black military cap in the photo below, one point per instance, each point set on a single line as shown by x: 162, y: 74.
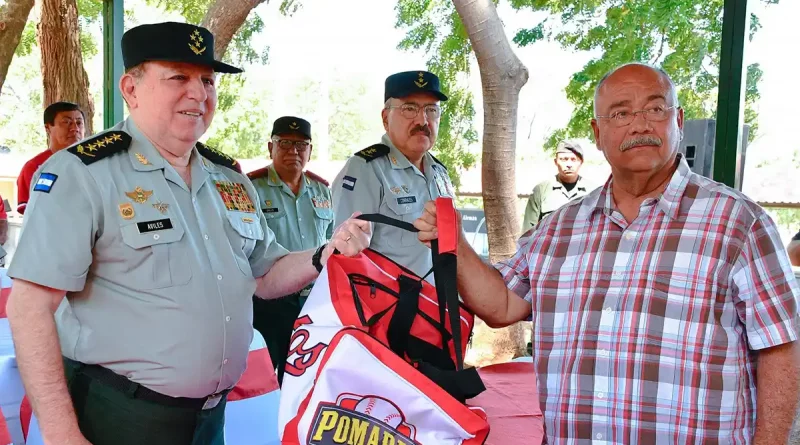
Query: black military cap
x: 291, y: 124
x: 410, y: 82
x: 171, y: 42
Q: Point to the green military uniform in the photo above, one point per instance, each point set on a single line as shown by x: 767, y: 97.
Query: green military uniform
x: 380, y: 179
x: 548, y: 196
x: 156, y: 324
x: 300, y: 222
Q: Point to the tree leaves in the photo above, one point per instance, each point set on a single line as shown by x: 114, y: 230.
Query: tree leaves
x: 434, y: 26
x: 682, y: 36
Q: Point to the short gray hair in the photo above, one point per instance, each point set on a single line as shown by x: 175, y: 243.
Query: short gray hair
x: 137, y: 71
x: 659, y: 70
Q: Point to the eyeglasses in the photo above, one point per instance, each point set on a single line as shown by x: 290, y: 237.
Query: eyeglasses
x: 657, y: 113
x: 286, y: 145
x: 410, y: 111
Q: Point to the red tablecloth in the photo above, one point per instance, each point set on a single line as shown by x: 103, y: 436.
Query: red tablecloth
x: 512, y: 403
x: 4, y: 292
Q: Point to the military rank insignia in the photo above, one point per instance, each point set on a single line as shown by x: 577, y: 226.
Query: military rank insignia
x: 101, y: 146
x: 373, y: 152
x: 235, y: 196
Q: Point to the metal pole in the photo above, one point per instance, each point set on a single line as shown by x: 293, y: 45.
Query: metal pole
x: 113, y: 27
x: 730, y: 104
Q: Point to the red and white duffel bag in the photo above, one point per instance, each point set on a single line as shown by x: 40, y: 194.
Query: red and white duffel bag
x: 374, y: 358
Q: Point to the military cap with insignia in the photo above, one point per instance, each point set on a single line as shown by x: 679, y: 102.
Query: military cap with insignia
x: 171, y: 42
x: 410, y: 82
x: 291, y: 124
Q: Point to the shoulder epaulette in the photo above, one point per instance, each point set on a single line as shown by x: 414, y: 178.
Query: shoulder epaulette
x: 439, y: 162
x: 317, y: 178
x: 260, y: 173
x: 101, y: 146
x: 373, y: 152
x: 218, y: 157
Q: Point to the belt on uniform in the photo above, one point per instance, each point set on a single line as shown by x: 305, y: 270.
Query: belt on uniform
x: 137, y: 391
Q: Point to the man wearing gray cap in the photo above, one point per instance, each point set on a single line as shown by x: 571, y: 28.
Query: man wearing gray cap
x: 158, y: 246
x: 552, y: 193
x: 397, y: 176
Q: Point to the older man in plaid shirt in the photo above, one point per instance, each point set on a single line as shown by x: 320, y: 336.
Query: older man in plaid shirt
x: 664, y: 305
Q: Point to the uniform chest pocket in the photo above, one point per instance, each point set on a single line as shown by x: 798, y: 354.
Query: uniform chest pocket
x: 323, y: 218
x: 405, y: 208
x: 246, y: 232
x: 156, y: 255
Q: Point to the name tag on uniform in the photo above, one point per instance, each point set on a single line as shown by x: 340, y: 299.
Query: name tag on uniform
x: 407, y: 200
x: 270, y: 210
x: 153, y: 226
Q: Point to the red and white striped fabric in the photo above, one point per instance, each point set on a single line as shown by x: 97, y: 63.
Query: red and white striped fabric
x: 5, y: 436
x: 251, y: 415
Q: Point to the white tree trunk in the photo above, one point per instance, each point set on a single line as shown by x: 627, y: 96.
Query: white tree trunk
x: 502, y: 77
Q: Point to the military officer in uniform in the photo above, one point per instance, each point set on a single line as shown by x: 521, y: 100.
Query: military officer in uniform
x: 397, y: 176
x: 158, y: 244
x: 553, y: 193
x: 297, y: 206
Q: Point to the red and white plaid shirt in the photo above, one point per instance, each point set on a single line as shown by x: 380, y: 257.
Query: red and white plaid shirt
x: 646, y: 332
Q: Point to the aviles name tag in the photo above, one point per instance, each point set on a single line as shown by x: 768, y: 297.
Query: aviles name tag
x: 154, y: 226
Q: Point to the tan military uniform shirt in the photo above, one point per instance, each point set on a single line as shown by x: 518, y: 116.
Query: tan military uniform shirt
x: 384, y: 181
x: 159, y: 276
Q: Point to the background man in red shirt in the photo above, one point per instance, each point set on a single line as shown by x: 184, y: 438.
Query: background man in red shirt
x: 64, y: 123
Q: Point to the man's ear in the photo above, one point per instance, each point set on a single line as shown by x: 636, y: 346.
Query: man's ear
x: 127, y: 86
x: 385, y: 118
x: 269, y: 147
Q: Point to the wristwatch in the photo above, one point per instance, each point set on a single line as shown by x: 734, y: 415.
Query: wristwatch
x: 315, y: 260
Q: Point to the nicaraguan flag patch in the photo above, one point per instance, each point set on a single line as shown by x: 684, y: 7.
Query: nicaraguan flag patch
x: 349, y: 183
x: 45, y: 182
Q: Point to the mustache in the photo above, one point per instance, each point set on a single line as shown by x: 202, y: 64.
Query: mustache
x: 639, y: 141
x: 421, y: 129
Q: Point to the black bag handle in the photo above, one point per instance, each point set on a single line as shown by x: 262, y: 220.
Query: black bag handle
x: 383, y: 219
x: 444, y: 274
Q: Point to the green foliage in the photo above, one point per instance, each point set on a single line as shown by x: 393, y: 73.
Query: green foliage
x: 192, y: 10
x: 434, y: 26
x: 682, y: 36
x: 89, y: 14
x: 27, y: 40
x: 349, y: 104
x: 241, y: 125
